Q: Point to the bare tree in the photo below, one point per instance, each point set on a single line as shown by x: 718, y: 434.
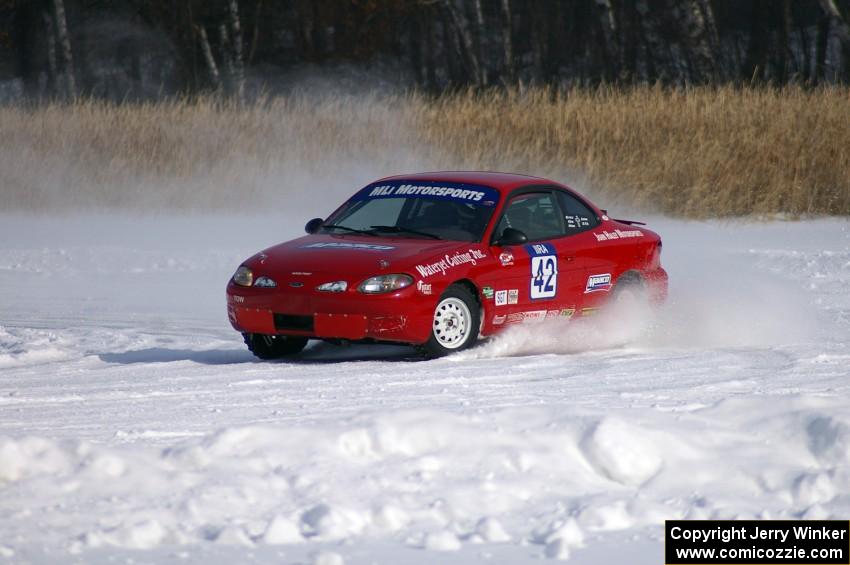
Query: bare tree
x: 822, y: 42
x: 226, y: 56
x: 237, y: 59
x: 255, y: 34
x: 64, y: 43
x: 630, y: 30
x: 841, y: 29
x: 606, y: 21
x: 209, y: 59
x: 50, y: 32
x: 468, y: 45
x: 658, y: 64
x: 692, y: 19
x: 508, y: 41
x: 839, y: 24
x: 480, y: 32
x: 782, y: 47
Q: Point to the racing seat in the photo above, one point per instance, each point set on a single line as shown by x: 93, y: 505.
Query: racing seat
x: 520, y: 218
x: 546, y: 221
x: 439, y: 215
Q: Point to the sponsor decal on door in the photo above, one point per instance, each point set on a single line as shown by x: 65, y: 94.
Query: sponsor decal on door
x: 544, y: 271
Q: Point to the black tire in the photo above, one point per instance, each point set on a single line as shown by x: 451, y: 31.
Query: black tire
x: 453, y: 328
x: 629, y: 287
x: 274, y: 346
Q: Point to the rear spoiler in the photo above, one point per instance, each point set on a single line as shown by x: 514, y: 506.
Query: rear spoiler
x: 630, y: 222
x: 627, y: 222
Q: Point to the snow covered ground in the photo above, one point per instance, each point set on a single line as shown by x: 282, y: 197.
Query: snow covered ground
x: 135, y: 426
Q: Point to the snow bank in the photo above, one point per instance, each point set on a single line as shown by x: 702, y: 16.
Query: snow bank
x: 21, y: 346
x: 437, y: 480
x: 132, y: 419
x: 621, y: 452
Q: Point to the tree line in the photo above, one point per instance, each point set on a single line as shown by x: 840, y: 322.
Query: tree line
x: 149, y: 48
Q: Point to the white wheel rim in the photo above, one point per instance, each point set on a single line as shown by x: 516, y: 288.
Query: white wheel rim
x: 452, y: 321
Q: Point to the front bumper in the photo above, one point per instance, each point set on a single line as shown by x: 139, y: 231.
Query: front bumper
x: 403, y: 316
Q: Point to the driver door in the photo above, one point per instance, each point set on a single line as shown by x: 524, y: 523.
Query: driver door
x: 540, y: 278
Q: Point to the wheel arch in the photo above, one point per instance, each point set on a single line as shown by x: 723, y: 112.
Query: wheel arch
x: 470, y: 286
x: 630, y: 276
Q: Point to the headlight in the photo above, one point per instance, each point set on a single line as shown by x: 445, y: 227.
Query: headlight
x: 385, y: 283
x: 265, y: 282
x: 243, y: 276
x: 335, y: 286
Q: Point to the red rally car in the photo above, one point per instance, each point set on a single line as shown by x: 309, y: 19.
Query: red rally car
x: 437, y: 260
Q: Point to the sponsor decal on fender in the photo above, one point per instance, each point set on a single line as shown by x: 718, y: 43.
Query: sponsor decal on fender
x: 516, y: 318
x: 596, y: 283
x: 617, y: 234
x: 535, y: 316
x: 513, y: 296
x: 487, y: 292
x: 501, y: 297
x: 498, y: 320
x: 340, y: 245
x: 450, y: 261
x: 424, y: 288
x: 506, y: 259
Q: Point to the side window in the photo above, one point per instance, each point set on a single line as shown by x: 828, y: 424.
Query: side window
x: 577, y: 216
x: 537, y: 215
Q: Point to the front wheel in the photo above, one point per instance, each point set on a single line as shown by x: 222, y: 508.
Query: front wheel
x: 455, y: 323
x: 274, y: 346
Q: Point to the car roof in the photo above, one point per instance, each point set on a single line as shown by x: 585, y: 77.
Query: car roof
x: 503, y: 182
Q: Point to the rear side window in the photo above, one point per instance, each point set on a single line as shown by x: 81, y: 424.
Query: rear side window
x: 578, y: 217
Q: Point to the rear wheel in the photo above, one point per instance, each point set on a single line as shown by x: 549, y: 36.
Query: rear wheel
x: 629, y: 291
x: 455, y: 323
x: 274, y: 346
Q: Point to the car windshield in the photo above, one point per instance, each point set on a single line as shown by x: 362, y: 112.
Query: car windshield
x: 428, y: 211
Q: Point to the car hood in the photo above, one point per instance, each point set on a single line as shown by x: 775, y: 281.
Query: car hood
x: 350, y: 255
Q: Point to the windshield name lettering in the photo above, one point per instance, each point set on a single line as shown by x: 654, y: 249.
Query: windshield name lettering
x: 414, y: 190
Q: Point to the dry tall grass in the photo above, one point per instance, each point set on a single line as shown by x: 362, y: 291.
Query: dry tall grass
x: 698, y: 153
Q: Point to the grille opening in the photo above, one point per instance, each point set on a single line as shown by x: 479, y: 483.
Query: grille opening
x: 290, y: 322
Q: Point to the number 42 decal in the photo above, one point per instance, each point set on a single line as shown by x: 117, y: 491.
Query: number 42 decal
x: 544, y: 271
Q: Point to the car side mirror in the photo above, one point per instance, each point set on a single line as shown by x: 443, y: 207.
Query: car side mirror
x: 512, y: 236
x: 313, y: 225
